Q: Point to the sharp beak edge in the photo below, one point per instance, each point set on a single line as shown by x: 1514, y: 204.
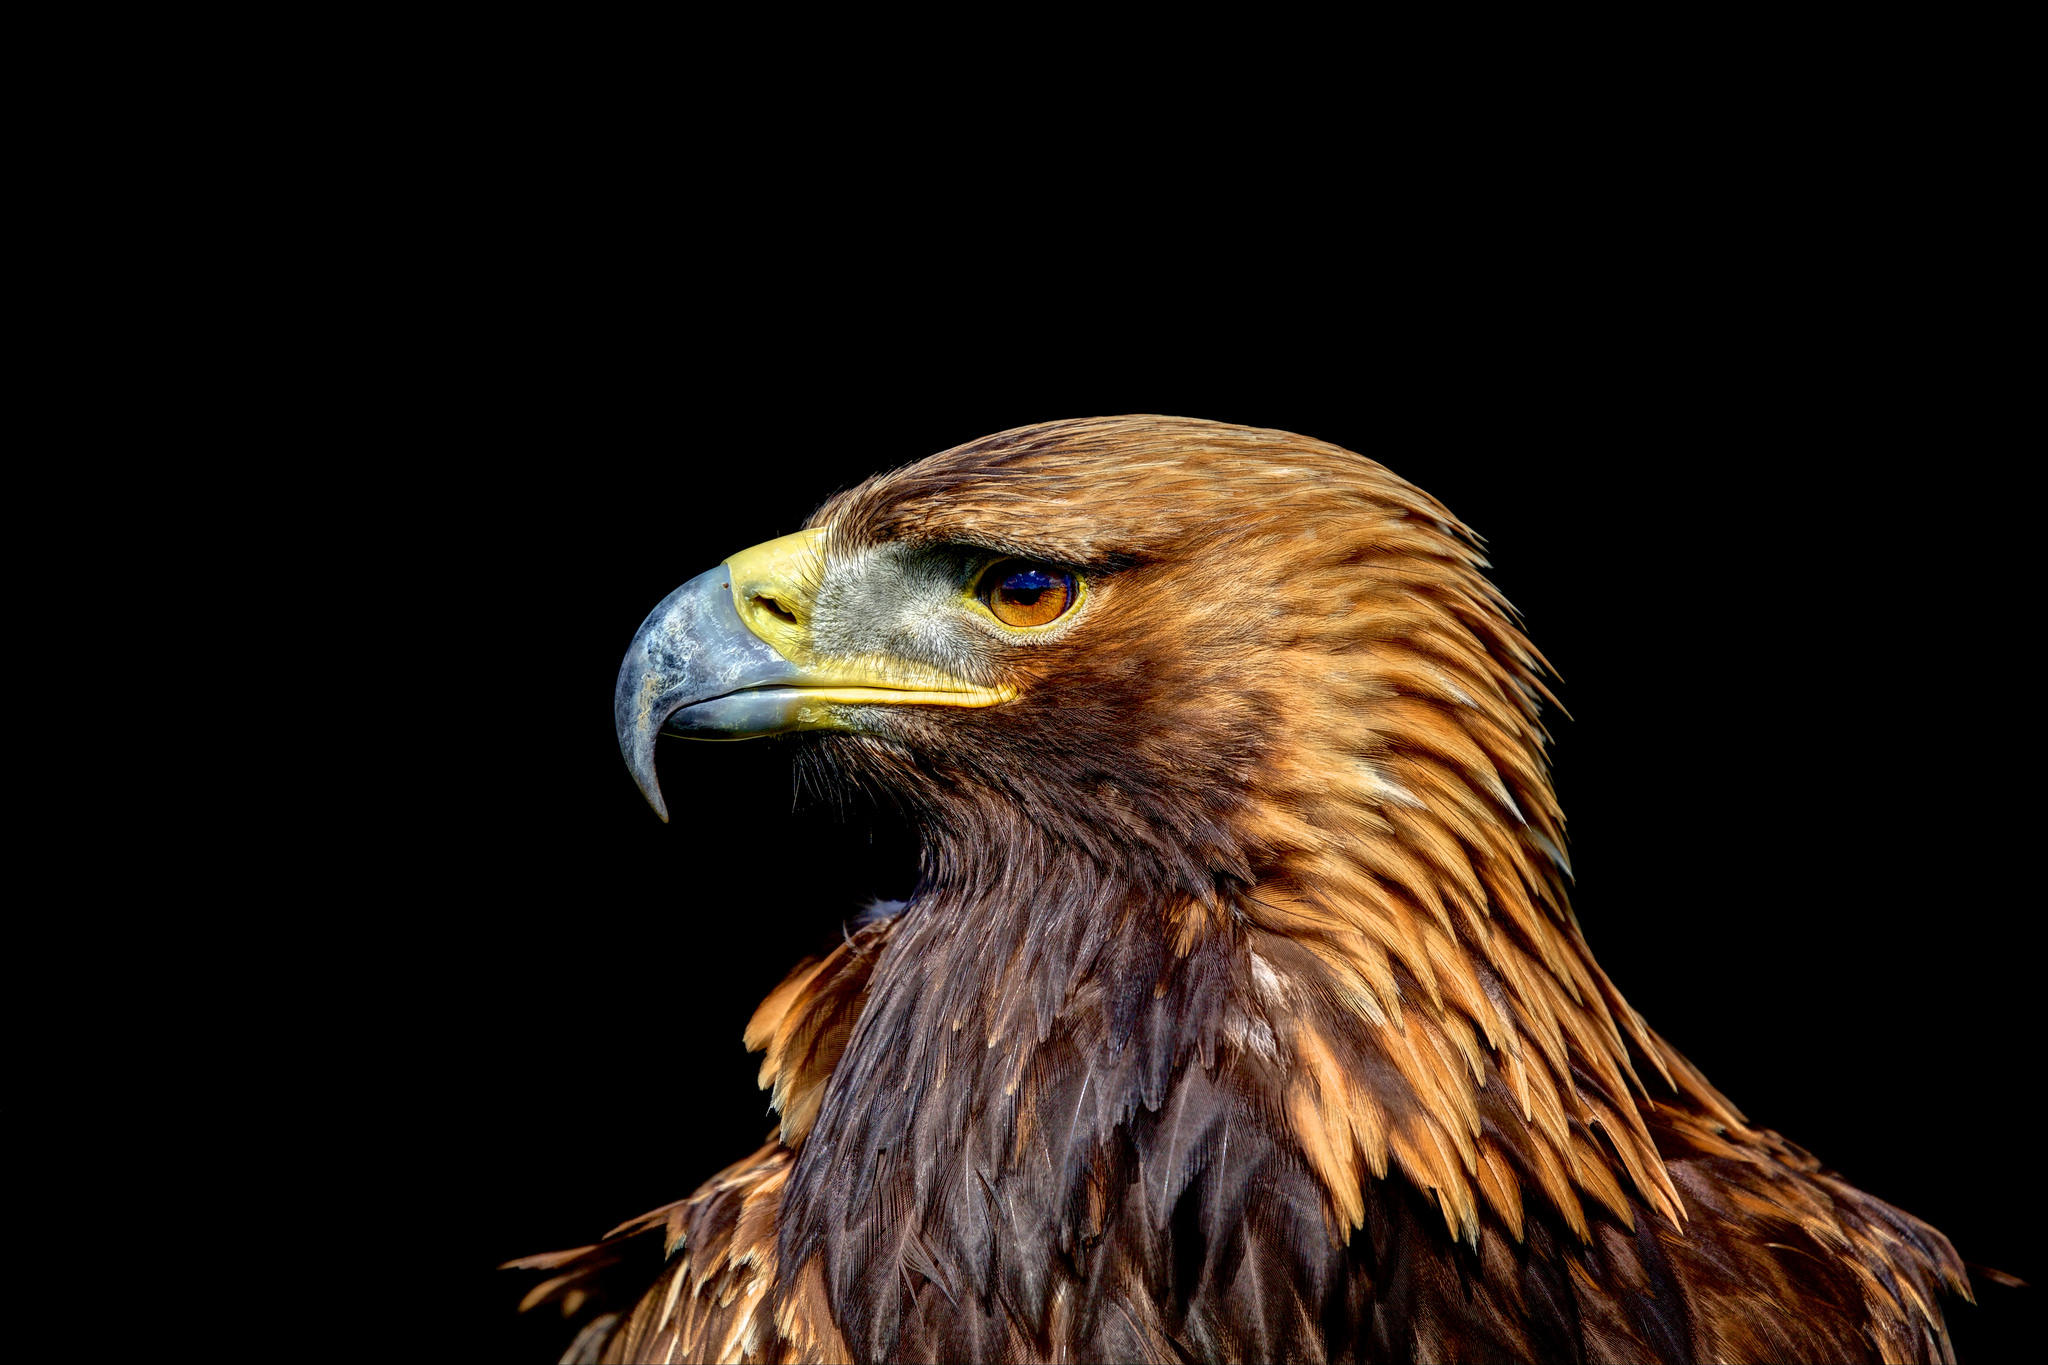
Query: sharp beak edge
x: 691, y: 652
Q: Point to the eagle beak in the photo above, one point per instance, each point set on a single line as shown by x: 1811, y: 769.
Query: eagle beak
x: 728, y: 656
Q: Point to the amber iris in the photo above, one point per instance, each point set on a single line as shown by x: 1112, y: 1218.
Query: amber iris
x: 1019, y: 593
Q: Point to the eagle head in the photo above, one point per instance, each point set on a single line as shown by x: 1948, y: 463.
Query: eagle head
x: 1202, y: 654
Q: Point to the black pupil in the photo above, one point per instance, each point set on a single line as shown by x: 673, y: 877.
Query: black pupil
x: 1027, y: 587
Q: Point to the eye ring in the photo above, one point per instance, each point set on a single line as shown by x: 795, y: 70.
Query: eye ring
x: 1022, y: 593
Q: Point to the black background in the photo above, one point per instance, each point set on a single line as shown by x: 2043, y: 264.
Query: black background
x: 1740, y: 448
x: 1754, y: 577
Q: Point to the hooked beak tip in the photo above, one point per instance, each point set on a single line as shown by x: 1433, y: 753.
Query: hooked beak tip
x: 641, y: 764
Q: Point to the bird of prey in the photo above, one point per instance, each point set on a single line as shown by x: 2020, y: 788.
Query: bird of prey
x: 1239, y: 1012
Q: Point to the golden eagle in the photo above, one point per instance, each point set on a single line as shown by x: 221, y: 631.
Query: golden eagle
x: 1239, y: 1012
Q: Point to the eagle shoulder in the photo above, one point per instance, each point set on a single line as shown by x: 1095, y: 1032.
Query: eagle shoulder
x: 712, y: 1293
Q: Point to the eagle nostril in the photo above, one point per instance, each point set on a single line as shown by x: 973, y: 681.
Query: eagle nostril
x: 775, y: 608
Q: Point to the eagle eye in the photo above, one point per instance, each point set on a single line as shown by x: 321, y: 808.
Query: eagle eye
x: 1018, y: 592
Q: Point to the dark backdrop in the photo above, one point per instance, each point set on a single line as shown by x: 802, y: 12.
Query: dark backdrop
x: 1754, y: 555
